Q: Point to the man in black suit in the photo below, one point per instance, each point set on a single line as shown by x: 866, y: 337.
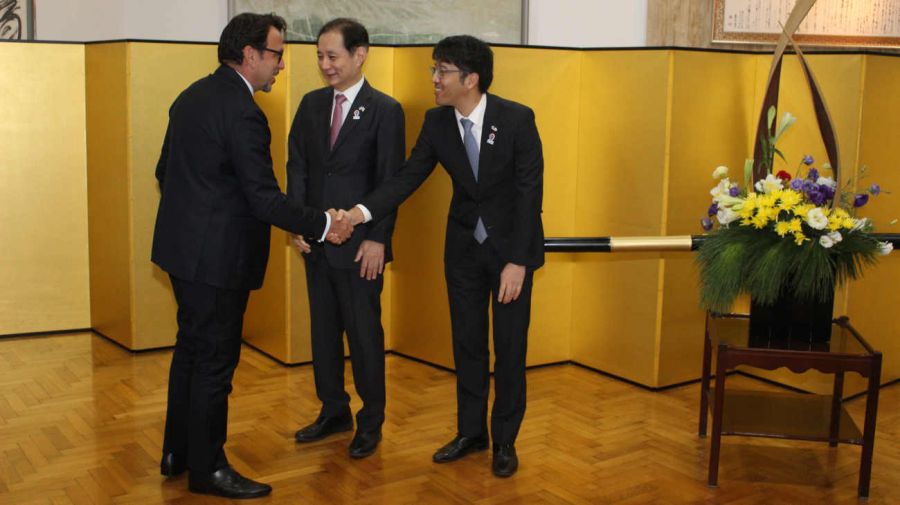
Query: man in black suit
x: 491, y: 149
x: 346, y: 139
x: 218, y: 199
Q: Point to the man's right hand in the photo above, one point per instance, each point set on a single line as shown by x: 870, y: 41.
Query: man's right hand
x: 354, y: 215
x: 340, y: 230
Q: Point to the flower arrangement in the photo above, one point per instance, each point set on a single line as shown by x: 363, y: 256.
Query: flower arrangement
x: 784, y: 235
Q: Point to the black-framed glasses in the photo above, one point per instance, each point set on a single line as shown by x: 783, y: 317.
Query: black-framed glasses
x: 280, y: 54
x: 441, y: 72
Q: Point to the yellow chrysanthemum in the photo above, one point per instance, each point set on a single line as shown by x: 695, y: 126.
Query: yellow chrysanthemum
x: 789, y: 198
x: 799, y: 238
x: 760, y: 220
x: 796, y: 226
x: 803, y: 210
x: 767, y: 201
x: 782, y: 228
x: 841, y: 213
x: 847, y: 223
x: 834, y: 223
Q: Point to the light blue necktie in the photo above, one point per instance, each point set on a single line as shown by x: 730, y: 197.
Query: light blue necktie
x: 472, y: 152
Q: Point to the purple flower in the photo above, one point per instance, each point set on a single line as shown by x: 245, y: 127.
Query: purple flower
x: 827, y: 192
x: 860, y: 200
x: 797, y: 184
x: 734, y: 191
x: 813, y: 174
x: 816, y: 197
x: 713, y: 209
x: 808, y: 160
x: 706, y: 223
x: 875, y: 189
x: 809, y: 186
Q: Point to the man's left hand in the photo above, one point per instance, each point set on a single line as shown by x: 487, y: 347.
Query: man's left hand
x: 371, y: 256
x: 511, y: 280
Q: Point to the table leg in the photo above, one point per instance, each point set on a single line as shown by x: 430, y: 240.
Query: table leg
x: 868, y: 448
x: 717, y: 414
x: 837, y: 396
x: 704, y: 382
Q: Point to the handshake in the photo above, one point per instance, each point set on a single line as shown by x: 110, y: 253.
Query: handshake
x: 342, y: 223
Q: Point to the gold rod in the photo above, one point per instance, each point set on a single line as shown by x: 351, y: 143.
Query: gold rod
x: 667, y: 243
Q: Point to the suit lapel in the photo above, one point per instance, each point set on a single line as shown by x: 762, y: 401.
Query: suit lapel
x: 360, y: 106
x: 489, y: 134
x: 322, y: 114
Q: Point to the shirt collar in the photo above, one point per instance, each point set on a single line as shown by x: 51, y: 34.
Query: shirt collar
x: 245, y: 81
x: 477, y: 114
x: 352, y: 91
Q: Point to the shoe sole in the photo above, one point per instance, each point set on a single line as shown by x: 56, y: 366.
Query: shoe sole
x: 462, y: 454
x: 342, y: 429
x: 234, y: 496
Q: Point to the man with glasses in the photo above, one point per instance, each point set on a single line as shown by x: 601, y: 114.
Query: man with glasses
x: 346, y: 139
x: 218, y: 198
x: 491, y: 149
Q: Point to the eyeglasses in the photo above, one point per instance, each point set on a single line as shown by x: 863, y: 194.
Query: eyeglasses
x: 280, y: 54
x: 441, y: 72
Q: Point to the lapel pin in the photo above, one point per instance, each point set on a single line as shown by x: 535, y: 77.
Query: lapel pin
x: 356, y: 114
x: 490, y: 139
x: 493, y: 128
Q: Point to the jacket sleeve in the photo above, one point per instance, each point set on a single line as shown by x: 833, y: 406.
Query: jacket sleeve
x: 163, y: 160
x: 529, y: 181
x: 388, y: 196
x: 248, y: 143
x: 390, y: 151
x: 298, y: 161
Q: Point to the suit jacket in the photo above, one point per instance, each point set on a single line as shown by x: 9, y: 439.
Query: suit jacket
x: 369, y: 149
x: 509, y: 190
x: 218, y: 192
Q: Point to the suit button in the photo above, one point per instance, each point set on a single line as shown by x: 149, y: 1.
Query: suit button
x: 329, y: 174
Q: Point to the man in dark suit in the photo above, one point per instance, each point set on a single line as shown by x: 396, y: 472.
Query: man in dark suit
x: 491, y: 149
x: 346, y: 139
x: 218, y: 199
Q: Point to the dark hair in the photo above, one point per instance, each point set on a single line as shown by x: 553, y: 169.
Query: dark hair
x: 354, y: 33
x: 247, y: 29
x: 471, y: 55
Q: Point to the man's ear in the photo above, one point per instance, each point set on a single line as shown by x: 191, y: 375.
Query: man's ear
x: 359, y: 55
x: 471, y: 80
x: 250, y: 55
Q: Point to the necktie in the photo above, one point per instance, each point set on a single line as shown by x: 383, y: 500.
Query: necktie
x: 472, y: 152
x: 337, y: 118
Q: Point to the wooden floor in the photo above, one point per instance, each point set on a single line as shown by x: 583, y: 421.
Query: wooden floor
x: 81, y: 422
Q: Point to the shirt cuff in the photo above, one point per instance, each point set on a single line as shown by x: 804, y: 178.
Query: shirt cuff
x: 367, y: 216
x: 327, y: 227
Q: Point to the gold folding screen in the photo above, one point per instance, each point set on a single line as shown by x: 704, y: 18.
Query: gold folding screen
x: 630, y: 140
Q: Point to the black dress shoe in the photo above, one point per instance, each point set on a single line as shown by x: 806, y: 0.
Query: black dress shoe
x: 505, y: 460
x: 172, y: 465
x: 364, y: 443
x: 228, y: 483
x: 459, y: 447
x: 323, y: 427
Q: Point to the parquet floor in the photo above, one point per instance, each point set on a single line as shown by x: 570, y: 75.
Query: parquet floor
x: 81, y: 422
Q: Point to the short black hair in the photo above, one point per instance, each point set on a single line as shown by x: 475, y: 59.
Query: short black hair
x: 354, y: 33
x: 247, y: 29
x: 471, y: 55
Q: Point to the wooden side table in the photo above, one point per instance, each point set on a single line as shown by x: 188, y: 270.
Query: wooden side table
x: 782, y: 415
